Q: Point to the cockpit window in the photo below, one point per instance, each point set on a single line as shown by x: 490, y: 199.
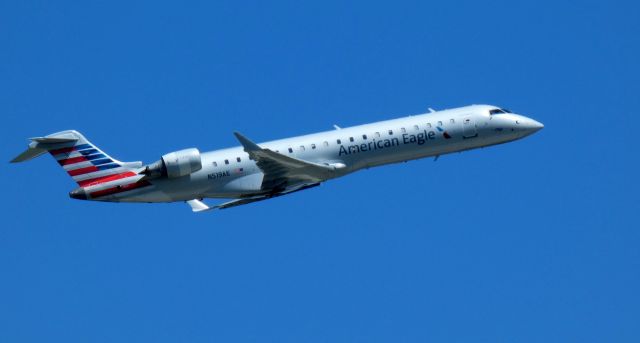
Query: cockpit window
x: 506, y: 110
x: 496, y: 111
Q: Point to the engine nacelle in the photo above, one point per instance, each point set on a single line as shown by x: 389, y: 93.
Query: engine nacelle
x: 176, y: 164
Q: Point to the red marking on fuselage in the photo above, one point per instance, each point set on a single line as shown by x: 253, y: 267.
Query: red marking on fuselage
x: 107, y: 178
x: 119, y: 189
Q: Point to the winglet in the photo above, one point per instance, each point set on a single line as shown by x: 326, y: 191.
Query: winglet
x: 198, y: 206
x: 247, y: 143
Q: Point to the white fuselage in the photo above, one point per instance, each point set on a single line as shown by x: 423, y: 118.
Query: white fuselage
x: 230, y: 173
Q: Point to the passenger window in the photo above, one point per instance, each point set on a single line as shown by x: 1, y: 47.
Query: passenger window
x: 403, y: 130
x: 326, y: 143
x: 290, y: 150
x: 338, y: 141
x: 226, y: 161
x: 238, y: 159
x: 429, y: 125
x: 377, y: 134
x: 416, y: 127
x: 452, y: 120
x: 302, y: 148
x: 313, y: 146
x: 215, y: 164
x: 351, y: 139
x: 364, y: 137
x: 390, y: 132
x: 439, y: 123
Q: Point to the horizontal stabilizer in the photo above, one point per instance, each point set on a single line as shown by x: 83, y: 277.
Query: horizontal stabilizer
x: 40, y: 145
x: 52, y: 140
x: 29, y: 154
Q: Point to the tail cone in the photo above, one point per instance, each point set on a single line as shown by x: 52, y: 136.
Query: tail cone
x: 78, y: 193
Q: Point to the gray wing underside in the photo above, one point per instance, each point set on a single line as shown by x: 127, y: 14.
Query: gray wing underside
x: 238, y: 202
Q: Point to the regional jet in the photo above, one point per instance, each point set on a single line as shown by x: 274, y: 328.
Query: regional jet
x: 258, y: 171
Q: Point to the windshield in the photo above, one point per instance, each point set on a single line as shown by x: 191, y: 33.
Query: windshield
x: 498, y: 111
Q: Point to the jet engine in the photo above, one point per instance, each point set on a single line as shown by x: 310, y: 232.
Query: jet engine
x: 175, y: 164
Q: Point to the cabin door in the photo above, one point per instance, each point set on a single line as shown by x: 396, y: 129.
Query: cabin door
x: 469, y: 129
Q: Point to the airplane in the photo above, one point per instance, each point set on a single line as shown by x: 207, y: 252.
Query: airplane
x: 259, y: 171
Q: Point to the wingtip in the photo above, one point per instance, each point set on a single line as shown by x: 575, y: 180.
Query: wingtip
x: 198, y: 206
x: 248, y: 144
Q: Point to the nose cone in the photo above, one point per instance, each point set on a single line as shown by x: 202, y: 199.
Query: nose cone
x: 534, y: 125
x: 529, y: 126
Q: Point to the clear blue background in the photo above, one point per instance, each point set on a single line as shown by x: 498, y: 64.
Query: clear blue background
x: 533, y: 241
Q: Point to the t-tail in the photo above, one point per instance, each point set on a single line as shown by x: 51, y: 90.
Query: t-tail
x: 95, y: 172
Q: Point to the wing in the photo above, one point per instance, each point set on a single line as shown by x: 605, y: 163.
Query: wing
x: 282, y: 175
x: 199, y: 206
x: 282, y: 172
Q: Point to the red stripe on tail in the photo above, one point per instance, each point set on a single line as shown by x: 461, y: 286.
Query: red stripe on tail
x: 72, y: 160
x: 81, y: 171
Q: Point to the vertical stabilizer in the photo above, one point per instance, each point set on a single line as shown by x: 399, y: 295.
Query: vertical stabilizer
x: 82, y: 160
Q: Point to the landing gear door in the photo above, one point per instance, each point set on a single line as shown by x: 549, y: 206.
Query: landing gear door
x: 469, y: 129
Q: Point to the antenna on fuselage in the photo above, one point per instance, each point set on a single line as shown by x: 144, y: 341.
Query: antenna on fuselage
x: 431, y: 110
x: 337, y: 127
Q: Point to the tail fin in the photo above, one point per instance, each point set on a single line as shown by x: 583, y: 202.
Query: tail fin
x: 83, y: 161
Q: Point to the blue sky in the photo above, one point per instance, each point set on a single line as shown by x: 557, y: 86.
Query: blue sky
x: 533, y: 241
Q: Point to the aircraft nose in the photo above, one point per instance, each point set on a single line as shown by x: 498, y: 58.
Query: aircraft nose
x: 534, y: 125
x: 529, y: 126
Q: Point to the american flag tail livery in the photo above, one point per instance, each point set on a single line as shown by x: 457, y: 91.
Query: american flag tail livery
x: 96, y: 173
